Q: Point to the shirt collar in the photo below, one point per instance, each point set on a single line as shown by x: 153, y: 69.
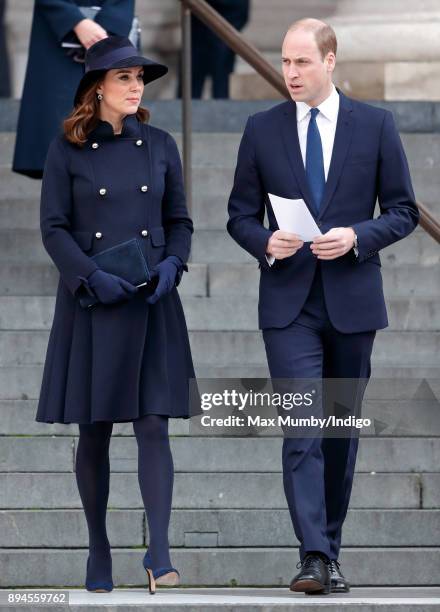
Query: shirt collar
x: 104, y: 130
x: 329, y: 107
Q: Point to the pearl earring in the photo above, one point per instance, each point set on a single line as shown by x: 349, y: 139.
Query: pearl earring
x: 100, y: 96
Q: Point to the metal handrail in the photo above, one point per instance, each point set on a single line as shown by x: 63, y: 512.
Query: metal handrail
x: 237, y: 42
x: 247, y: 51
x: 428, y: 222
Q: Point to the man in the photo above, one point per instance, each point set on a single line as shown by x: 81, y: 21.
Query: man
x: 320, y: 302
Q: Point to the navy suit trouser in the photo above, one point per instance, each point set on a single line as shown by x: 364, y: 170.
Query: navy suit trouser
x: 318, y: 471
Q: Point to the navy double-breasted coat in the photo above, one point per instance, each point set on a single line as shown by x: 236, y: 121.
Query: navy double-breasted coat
x: 52, y: 77
x: 114, y: 362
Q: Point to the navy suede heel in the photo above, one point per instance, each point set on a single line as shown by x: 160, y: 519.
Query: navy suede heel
x: 98, y: 586
x: 165, y: 576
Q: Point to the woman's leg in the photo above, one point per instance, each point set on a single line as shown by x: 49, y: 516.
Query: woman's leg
x: 93, y: 479
x: 156, y: 472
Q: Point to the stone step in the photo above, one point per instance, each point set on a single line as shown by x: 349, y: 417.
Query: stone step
x: 231, y: 313
x: 217, y: 490
x: 396, y: 372
x: 239, y: 313
x: 208, y: 149
x: 213, y: 116
x: 224, y: 567
x: 214, y: 149
x: 209, y: 207
x: 24, y: 382
x: 215, y: 348
x: 236, y: 348
x: 191, y: 454
x: 404, y: 418
x: 42, y: 279
x: 207, y: 179
x: 215, y: 528
x: 376, y: 599
x: 402, y: 280
x: 216, y: 246
x: 211, y: 189
x: 219, y: 280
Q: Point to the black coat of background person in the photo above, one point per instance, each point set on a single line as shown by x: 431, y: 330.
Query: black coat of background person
x: 52, y: 77
x: 114, y: 362
x: 211, y: 57
x: 5, y: 77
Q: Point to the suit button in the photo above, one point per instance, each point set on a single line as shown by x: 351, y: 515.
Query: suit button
x: 102, y: 191
x: 138, y: 143
x: 95, y: 145
x: 98, y: 235
x: 144, y: 233
x: 144, y: 188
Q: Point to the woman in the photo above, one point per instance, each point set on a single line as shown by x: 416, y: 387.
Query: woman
x: 52, y: 75
x: 108, y: 179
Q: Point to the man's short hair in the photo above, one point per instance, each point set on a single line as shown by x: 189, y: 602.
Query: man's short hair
x: 324, y: 34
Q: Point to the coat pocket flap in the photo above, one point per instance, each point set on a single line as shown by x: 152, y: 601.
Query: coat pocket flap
x: 83, y: 239
x: 157, y: 236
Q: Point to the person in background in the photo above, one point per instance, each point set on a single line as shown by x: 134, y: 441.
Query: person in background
x: 5, y: 77
x: 52, y: 75
x: 210, y: 56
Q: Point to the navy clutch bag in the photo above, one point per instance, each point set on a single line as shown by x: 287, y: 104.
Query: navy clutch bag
x: 125, y: 260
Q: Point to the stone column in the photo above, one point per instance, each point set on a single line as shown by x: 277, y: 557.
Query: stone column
x: 388, y: 50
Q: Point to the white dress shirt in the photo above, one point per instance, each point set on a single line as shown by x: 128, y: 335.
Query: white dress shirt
x: 326, y: 121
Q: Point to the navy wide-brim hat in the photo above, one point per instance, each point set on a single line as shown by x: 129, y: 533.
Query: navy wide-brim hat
x: 115, y: 52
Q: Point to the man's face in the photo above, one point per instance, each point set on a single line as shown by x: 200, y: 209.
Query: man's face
x: 307, y: 75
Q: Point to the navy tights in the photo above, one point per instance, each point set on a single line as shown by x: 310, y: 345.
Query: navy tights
x: 155, y: 474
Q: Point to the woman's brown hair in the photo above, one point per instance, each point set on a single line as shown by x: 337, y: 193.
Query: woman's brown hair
x: 84, y: 117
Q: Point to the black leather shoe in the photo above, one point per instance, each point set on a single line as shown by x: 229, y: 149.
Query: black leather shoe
x: 314, y: 577
x: 338, y: 582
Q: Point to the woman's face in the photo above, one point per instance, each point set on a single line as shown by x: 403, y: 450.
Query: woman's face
x: 122, y: 90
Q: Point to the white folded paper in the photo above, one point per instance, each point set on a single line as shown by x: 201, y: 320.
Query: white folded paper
x: 294, y: 216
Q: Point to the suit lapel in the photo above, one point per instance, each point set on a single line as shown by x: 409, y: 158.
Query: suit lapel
x: 289, y: 136
x: 343, y: 135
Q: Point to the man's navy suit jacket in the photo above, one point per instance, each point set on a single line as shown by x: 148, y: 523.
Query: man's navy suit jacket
x: 368, y: 163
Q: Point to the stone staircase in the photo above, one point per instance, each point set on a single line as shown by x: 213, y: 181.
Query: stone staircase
x: 230, y: 525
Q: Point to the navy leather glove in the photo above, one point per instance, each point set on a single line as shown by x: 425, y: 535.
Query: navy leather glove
x: 109, y: 288
x: 167, y: 271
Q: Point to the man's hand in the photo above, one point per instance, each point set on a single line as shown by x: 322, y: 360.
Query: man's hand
x: 335, y: 243
x: 89, y: 32
x: 283, y: 244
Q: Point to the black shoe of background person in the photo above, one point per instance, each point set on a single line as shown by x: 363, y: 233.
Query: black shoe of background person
x: 338, y: 582
x: 314, y: 576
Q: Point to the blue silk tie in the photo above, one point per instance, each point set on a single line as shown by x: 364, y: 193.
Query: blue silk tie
x: 315, y: 160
